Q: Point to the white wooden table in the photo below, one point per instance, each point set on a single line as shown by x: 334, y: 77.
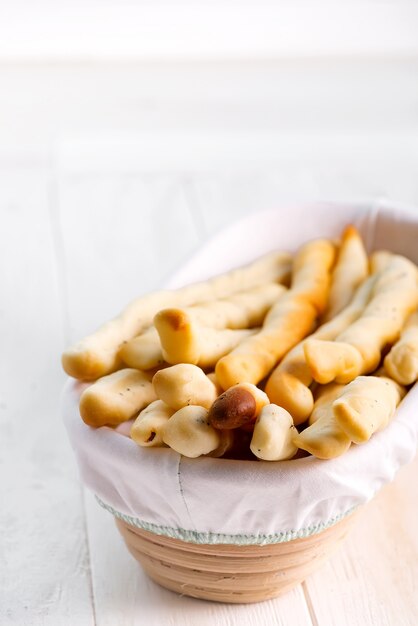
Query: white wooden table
x: 96, y: 208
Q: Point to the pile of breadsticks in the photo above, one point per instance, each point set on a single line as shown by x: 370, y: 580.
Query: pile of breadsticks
x: 307, y: 353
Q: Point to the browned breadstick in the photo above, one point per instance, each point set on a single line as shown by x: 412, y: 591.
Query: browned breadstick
x: 357, y: 350
x: 237, y: 406
x: 288, y: 385
x: 182, y: 341
x: 183, y: 338
x: 245, y: 309
x: 97, y: 354
x: 288, y: 321
x: 351, y: 268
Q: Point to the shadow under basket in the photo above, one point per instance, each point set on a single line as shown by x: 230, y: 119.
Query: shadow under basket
x: 227, y: 572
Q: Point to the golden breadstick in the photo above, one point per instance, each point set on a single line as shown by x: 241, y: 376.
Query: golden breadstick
x: 184, y: 384
x: 366, y: 405
x: 242, y: 310
x: 116, y: 398
x: 238, y: 406
x: 288, y: 385
x: 189, y: 432
x: 143, y: 352
x: 97, y: 354
x: 287, y: 322
x: 402, y: 361
x: 324, y: 438
x: 351, y: 268
x: 182, y: 341
x: 147, y: 429
x: 357, y: 350
x: 379, y: 260
x: 324, y: 397
x: 226, y: 442
x: 212, y: 377
x: 273, y: 435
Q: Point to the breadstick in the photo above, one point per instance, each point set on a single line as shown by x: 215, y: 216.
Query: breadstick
x: 366, y: 405
x: 116, y: 398
x: 357, y: 350
x: 143, y: 352
x: 147, y: 429
x: 184, y: 384
x: 324, y: 438
x: 242, y: 310
x: 351, y: 268
x: 287, y: 322
x: 182, y: 341
x: 245, y: 309
x: 238, y: 406
x: 97, y: 354
x: 189, y: 432
x: 226, y: 443
x: 402, y: 361
x: 288, y: 385
x: 324, y: 397
x: 212, y: 377
x: 379, y: 260
x: 273, y: 434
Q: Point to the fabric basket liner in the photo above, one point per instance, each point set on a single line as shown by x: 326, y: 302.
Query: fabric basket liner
x: 212, y: 501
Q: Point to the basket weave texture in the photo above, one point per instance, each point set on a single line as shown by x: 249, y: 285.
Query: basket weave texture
x: 231, y: 573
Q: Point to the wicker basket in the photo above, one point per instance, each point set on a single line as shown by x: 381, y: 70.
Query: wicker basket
x: 231, y: 573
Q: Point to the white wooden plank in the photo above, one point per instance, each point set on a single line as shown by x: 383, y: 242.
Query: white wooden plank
x: 373, y: 579
x: 44, y: 577
x: 124, y: 594
x: 121, y: 235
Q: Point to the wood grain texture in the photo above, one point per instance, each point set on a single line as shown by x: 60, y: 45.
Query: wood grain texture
x: 374, y: 579
x: 45, y: 569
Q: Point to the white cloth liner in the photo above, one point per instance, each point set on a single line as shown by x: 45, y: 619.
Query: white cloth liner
x: 209, y: 500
